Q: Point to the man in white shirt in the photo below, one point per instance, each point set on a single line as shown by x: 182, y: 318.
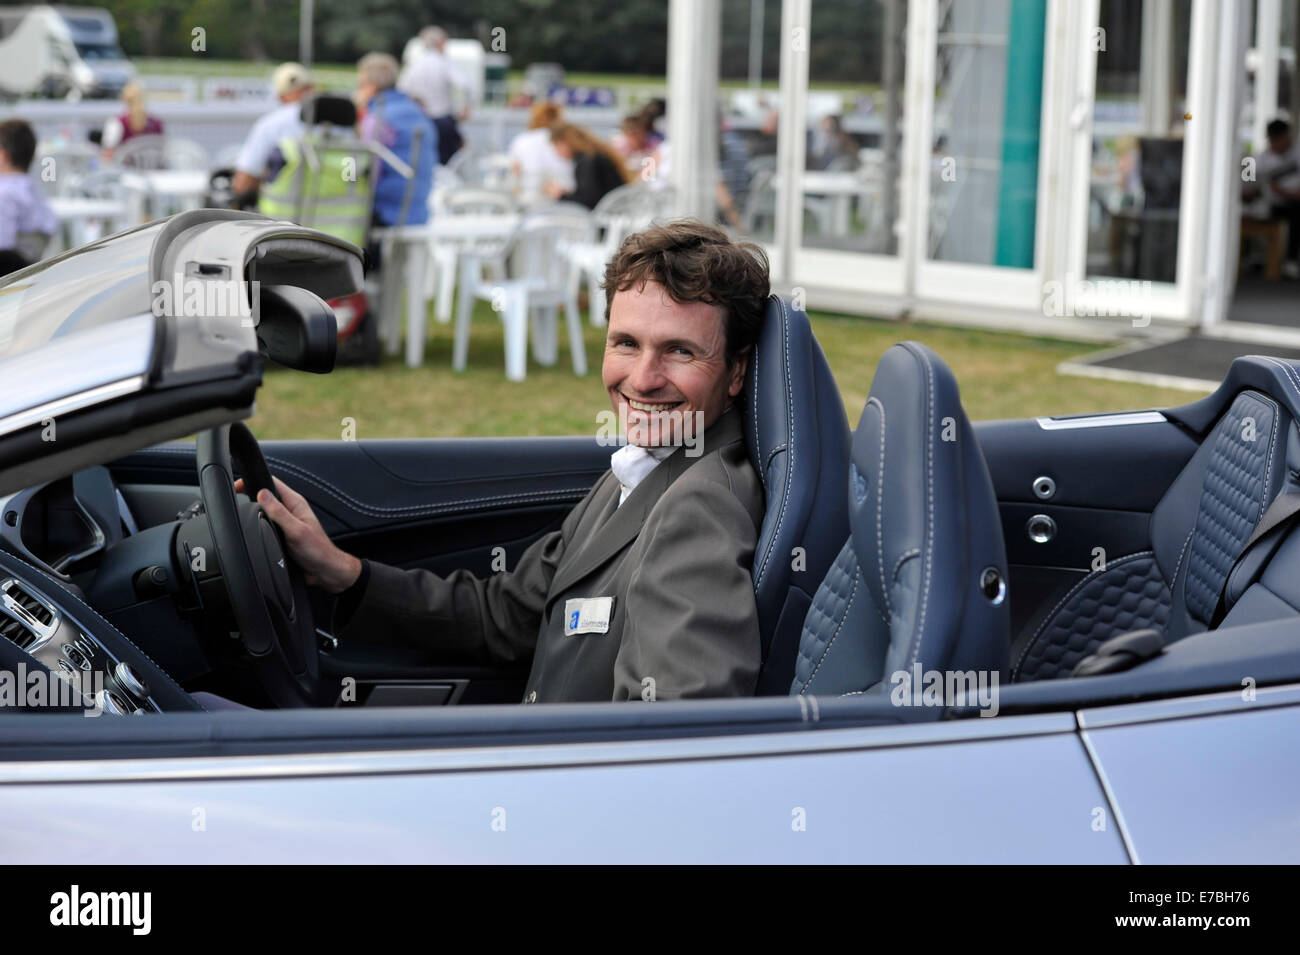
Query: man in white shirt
x: 292, y: 83
x: 432, y: 80
x: 646, y: 590
x: 26, y: 220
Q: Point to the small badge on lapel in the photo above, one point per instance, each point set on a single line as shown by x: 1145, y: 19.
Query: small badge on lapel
x: 587, y: 615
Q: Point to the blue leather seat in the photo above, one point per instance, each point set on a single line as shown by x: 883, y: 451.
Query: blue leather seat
x: 922, y: 578
x: 1197, y: 530
x: 798, y: 439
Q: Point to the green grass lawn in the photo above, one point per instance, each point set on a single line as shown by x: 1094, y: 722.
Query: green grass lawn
x: 1000, y: 375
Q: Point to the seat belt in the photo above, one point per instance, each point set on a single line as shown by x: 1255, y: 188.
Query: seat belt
x: 1272, y: 527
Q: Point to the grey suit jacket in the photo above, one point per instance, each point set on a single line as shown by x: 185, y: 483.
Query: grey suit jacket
x: 675, y: 558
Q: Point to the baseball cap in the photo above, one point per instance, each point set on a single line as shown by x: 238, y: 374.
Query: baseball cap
x: 289, y: 77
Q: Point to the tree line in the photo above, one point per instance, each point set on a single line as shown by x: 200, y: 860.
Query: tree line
x: 605, y: 36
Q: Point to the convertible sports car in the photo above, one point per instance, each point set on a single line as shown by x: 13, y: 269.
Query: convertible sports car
x: 1056, y: 639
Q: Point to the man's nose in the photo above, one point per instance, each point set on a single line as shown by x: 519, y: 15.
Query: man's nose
x: 647, y: 374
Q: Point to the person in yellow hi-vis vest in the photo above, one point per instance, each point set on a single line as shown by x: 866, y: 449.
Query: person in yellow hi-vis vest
x: 325, y: 185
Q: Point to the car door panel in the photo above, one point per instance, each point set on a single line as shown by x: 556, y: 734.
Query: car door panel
x: 939, y: 792
x: 359, y: 486
x: 1209, y: 781
x: 1107, y: 467
x: 1103, y: 479
x: 438, y: 504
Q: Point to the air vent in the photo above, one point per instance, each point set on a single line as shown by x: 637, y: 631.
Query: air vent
x: 16, y: 633
x: 26, y: 620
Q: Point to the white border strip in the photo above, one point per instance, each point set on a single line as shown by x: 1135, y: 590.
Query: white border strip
x: 1161, y: 381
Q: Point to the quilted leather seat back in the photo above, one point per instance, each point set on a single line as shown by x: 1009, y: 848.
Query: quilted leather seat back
x: 909, y: 586
x: 1241, y: 470
x: 798, y: 440
x: 1197, y: 532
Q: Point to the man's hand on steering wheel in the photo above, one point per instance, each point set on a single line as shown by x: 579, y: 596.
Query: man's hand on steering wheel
x: 323, y: 564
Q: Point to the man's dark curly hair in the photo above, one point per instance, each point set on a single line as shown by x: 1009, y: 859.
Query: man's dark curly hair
x: 696, y: 262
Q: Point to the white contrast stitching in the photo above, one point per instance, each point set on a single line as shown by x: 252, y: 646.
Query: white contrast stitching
x: 1268, y: 467
x: 927, y: 556
x: 412, y: 510
x: 880, y: 506
x: 791, y: 469
x: 1293, y: 379
x: 905, y: 555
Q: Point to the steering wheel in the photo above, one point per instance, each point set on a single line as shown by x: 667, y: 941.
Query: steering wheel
x: 268, y: 595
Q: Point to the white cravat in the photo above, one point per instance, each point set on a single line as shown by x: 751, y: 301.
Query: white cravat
x: 632, y: 463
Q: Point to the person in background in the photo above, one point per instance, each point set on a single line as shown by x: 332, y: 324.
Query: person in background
x: 136, y: 121
x: 256, y: 164
x: 395, y: 120
x: 656, y: 111
x: 832, y: 147
x: 1276, y: 189
x: 432, y: 79
x: 733, y: 173
x: 26, y: 219
x: 637, y: 142
x: 763, y: 143
x: 533, y: 155
x: 597, y: 168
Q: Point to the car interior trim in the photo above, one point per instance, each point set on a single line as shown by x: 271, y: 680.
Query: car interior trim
x: 1101, y: 420
x: 71, y: 403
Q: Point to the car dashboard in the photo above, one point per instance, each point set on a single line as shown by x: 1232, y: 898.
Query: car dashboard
x: 61, y: 527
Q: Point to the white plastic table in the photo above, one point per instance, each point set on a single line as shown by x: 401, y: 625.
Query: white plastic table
x: 176, y: 189
x: 84, y: 220
x: 409, y: 246
x: 840, y: 187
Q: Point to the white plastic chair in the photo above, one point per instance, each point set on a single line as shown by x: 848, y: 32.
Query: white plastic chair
x: 620, y: 213
x: 142, y: 153
x: 186, y: 154
x: 152, y: 153
x: 101, y: 184
x: 532, y: 296
x: 57, y: 167
x: 498, y: 172
x: 468, y: 165
x: 440, y: 281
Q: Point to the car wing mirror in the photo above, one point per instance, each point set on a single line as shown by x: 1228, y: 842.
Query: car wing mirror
x: 296, y: 328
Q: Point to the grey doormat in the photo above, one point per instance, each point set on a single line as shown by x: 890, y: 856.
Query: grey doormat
x: 1195, y: 363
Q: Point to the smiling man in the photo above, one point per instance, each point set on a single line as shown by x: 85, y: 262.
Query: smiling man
x: 645, y: 591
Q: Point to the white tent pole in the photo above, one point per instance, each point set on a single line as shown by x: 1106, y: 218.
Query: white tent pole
x: 1155, y: 91
x: 305, y: 32
x: 756, y: 9
x: 1223, y: 236
x: 694, y: 37
x: 796, y: 17
x: 1268, y: 37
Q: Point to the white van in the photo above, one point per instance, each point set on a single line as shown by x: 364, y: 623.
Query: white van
x: 61, y: 52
